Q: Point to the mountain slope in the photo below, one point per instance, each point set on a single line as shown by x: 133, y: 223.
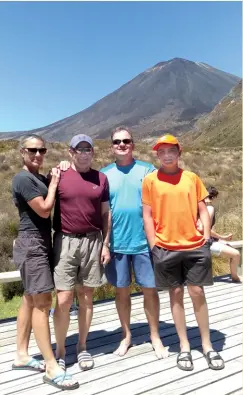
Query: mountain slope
x: 223, y: 126
x: 168, y: 97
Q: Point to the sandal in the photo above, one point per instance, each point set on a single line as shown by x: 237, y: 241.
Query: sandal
x: 33, y: 364
x: 186, y: 358
x: 59, y: 382
x: 84, y: 356
x: 61, y: 362
x: 216, y: 357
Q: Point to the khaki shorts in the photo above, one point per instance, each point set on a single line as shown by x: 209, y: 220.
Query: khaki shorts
x: 77, y: 261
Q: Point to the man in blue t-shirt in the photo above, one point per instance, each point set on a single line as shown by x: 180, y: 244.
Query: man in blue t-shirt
x: 128, y: 243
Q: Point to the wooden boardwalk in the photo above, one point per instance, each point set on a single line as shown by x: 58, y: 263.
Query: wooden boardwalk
x: 139, y: 372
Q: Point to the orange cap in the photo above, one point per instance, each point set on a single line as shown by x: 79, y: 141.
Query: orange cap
x: 166, y: 139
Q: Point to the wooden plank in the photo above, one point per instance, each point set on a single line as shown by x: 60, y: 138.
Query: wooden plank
x: 139, y: 304
x: 71, y: 347
x: 223, y: 381
x: 10, y: 277
x: 138, y: 308
x: 236, y: 244
x: 110, y: 340
x: 216, y: 302
x: 116, y: 362
x: 140, y: 378
x: 110, y: 304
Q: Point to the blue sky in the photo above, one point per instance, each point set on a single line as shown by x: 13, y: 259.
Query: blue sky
x: 58, y: 58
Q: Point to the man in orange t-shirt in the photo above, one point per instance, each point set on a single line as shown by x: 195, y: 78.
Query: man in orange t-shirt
x: 172, y: 200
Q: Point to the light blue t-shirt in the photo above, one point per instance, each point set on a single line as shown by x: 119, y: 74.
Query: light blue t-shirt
x: 125, y: 184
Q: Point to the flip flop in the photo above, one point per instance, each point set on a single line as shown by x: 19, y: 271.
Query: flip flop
x: 84, y: 356
x: 216, y: 357
x: 186, y: 358
x: 33, y: 364
x: 58, y: 382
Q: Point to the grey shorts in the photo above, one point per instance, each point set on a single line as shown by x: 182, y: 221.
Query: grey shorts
x: 77, y: 261
x: 32, y: 256
x: 174, y: 268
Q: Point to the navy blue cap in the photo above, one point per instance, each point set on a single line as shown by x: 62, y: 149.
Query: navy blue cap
x: 79, y: 138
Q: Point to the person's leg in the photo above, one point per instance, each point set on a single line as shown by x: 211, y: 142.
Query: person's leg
x: 65, y: 274
x: 61, y: 320
x: 234, y: 256
x: 198, y: 272
x: 40, y: 324
x: 178, y: 313
x: 123, y: 306
x: 85, y: 314
x: 144, y: 276
x: 151, y: 308
x: 169, y: 275
x: 24, y: 326
x: 118, y: 273
x: 85, y: 299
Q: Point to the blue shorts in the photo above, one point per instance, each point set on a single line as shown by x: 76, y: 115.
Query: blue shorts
x: 119, y: 270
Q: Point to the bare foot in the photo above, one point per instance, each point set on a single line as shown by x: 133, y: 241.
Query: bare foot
x: 123, y: 348
x: 160, y: 350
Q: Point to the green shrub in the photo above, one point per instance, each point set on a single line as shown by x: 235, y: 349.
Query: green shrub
x: 9, y: 290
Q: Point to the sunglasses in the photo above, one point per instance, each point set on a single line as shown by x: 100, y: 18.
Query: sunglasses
x: 85, y: 150
x: 41, y: 151
x: 124, y: 141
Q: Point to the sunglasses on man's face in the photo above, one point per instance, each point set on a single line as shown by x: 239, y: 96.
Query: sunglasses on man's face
x: 124, y: 141
x: 85, y: 150
x: 41, y: 151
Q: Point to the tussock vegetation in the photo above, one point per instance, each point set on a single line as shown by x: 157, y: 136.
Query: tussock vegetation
x: 219, y: 167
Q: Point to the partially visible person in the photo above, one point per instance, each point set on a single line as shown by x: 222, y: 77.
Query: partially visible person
x: 219, y: 246
x: 172, y: 198
x: 32, y: 255
x: 81, y: 244
x: 129, y: 248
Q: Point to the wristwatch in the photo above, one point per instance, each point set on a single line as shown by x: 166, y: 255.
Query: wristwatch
x: 107, y: 245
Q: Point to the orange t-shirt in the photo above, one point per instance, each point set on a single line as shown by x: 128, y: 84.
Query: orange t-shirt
x: 174, y: 202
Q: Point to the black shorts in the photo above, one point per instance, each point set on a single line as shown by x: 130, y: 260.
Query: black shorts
x: 32, y: 256
x: 174, y: 268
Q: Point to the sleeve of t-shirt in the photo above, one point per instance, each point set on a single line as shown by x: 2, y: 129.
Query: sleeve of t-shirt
x: 26, y: 187
x: 150, y: 169
x: 146, y: 198
x: 105, y: 195
x: 202, y: 192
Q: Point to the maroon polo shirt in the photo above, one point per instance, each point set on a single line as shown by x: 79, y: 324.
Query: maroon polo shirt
x: 78, y: 202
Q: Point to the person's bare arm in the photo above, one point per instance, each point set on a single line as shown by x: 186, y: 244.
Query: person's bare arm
x: 106, y: 229
x: 41, y: 206
x: 149, y: 225
x: 205, y: 219
x: 211, y: 212
x: 222, y: 237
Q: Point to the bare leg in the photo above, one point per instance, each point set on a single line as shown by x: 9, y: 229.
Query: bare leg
x: 201, y: 313
x: 61, y: 320
x: 123, y: 305
x: 40, y: 324
x: 178, y: 312
x: 234, y: 256
x: 151, y: 308
x: 24, y: 326
x: 85, y: 299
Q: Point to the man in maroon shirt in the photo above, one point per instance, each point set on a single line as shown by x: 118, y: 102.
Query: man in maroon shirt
x: 82, y: 223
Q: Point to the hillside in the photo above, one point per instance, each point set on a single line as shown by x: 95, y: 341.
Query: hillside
x: 168, y: 97
x: 223, y: 126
